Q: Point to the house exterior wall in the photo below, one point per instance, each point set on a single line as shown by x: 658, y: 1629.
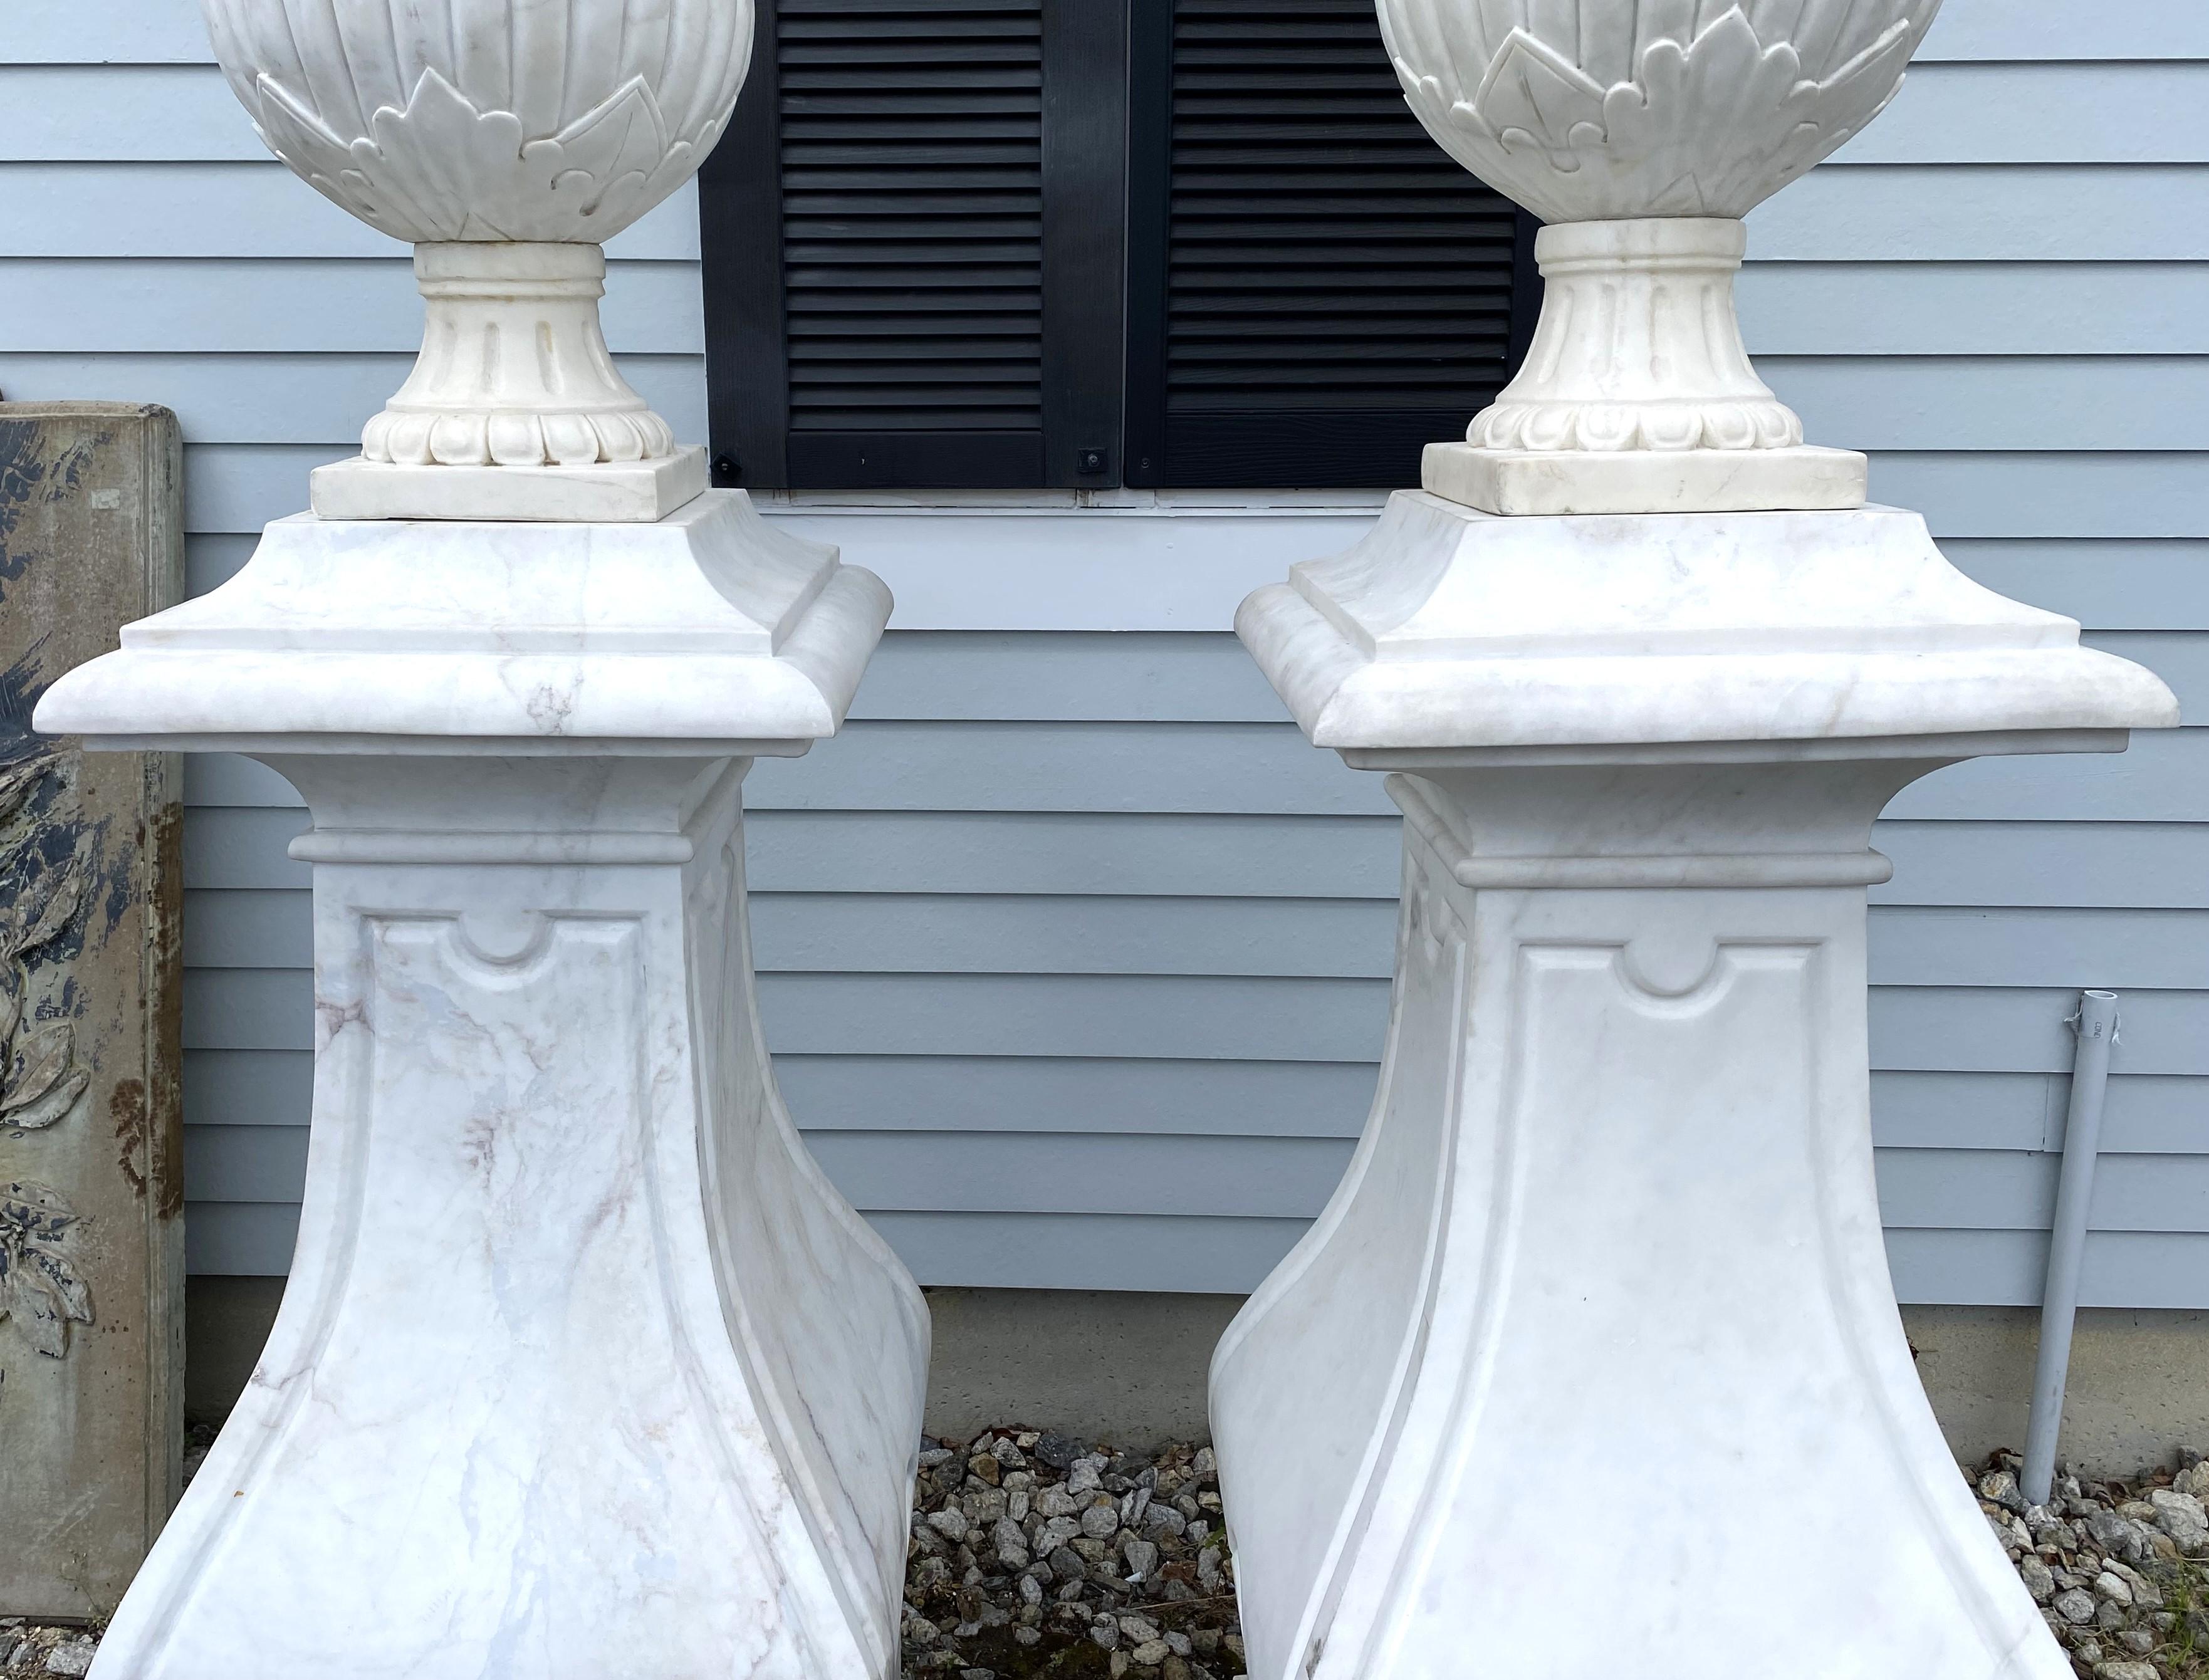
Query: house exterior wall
x: 1074, y: 956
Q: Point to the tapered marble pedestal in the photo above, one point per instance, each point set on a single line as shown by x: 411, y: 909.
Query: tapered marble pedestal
x: 1612, y: 1229
x: 583, y: 1368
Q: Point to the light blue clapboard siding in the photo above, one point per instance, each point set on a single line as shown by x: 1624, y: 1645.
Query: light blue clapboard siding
x: 1073, y: 954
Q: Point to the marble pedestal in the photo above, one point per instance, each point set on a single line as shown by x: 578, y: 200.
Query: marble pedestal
x: 583, y: 1367
x: 1612, y: 1224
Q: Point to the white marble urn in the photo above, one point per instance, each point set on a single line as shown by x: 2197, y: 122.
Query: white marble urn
x: 1642, y: 132
x: 508, y: 140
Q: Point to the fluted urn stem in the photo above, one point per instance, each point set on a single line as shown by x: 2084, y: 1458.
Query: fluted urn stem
x: 1637, y: 347
x: 514, y: 371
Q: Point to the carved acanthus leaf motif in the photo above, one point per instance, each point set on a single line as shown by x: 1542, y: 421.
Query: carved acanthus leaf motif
x: 40, y: 1292
x: 443, y: 169
x: 1707, y: 121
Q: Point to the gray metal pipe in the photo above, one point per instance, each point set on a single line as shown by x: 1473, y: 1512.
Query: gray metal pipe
x: 2095, y: 1023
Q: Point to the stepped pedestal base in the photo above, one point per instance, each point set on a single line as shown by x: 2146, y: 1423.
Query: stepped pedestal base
x: 1611, y: 1233
x: 583, y: 1369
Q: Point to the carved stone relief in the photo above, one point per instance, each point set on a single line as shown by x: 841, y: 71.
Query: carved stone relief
x: 91, y: 1193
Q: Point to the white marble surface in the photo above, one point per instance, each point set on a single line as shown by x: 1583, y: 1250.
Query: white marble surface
x: 1447, y: 626
x: 710, y: 626
x: 1613, y: 1214
x: 583, y: 1368
x: 1612, y: 1221
x: 508, y: 143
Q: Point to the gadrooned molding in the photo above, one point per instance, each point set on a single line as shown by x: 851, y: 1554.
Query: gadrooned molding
x: 1607, y: 109
x: 563, y: 120
x: 1637, y: 347
x: 514, y: 371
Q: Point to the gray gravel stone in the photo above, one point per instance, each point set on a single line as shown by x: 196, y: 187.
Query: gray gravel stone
x: 2125, y: 1668
x: 2074, y: 1606
x: 73, y: 1659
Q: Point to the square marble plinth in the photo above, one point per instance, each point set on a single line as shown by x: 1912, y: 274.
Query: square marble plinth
x: 612, y: 492
x: 1646, y: 481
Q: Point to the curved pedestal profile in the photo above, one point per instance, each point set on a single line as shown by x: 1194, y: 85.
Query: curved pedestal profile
x: 583, y: 1369
x: 1612, y: 1234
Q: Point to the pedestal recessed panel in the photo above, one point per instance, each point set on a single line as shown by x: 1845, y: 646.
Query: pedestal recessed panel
x: 554, y: 1394
x: 1626, y: 1202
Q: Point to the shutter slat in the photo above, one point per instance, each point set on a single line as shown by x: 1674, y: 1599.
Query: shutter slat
x: 911, y: 136
x: 1336, y: 292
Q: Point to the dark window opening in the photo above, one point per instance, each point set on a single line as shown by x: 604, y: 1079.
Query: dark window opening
x: 1021, y: 244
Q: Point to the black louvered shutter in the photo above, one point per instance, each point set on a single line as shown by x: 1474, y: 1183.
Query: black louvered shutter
x: 1315, y: 290
x: 913, y: 243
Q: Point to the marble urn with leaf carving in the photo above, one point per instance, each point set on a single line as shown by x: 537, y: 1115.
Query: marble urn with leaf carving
x: 508, y: 141
x: 1642, y: 132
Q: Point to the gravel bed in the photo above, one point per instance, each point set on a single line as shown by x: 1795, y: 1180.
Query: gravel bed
x: 1037, y: 1556
x: 2119, y: 1569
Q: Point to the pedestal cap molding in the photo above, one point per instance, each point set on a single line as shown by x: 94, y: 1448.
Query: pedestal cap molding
x: 708, y: 629
x: 1446, y: 627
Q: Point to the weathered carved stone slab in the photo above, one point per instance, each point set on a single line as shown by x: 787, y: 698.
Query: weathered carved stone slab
x: 91, y: 1187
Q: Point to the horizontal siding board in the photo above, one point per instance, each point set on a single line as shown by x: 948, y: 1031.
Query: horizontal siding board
x: 2050, y: 113
x: 247, y: 1088
x: 1975, y: 309
x: 1957, y: 403
x: 235, y: 209
x: 289, y: 398
x: 2118, y: 586
x: 2009, y: 1189
x: 2021, y: 1030
x: 229, y: 306
x: 247, y: 1239
x: 119, y: 32
x: 2005, y: 1268
x: 2164, y: 777
x: 1977, y: 212
x: 122, y: 113
x: 1962, y: 1029
x: 2049, y: 494
x: 2028, y: 29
